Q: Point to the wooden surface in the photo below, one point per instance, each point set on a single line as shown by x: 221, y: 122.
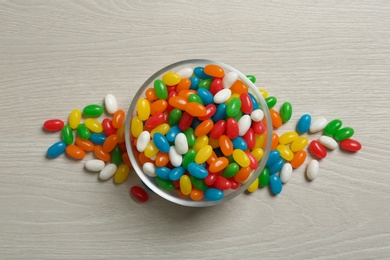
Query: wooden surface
x: 328, y: 59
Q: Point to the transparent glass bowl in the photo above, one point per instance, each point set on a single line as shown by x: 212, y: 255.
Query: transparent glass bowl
x: 173, y: 196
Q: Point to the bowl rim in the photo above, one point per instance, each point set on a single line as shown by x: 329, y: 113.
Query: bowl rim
x: 166, y: 195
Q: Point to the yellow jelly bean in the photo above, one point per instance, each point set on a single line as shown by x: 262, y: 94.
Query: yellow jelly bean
x: 93, y: 125
x: 253, y: 187
x: 264, y: 93
x: 299, y: 144
x: 162, y: 129
x: 285, y: 152
x: 235, y: 95
x: 203, y: 154
x: 121, y: 173
x: 136, y: 126
x: 120, y: 132
x: 241, y: 158
x: 200, y: 142
x: 171, y: 78
x: 214, y: 143
x: 257, y: 153
x: 74, y: 118
x: 185, y: 185
x: 288, y: 137
x: 143, y: 109
x: 259, y: 140
x: 150, y: 150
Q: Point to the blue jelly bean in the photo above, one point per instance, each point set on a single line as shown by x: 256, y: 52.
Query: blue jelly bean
x: 195, y: 123
x: 97, y: 138
x: 274, y: 155
x: 176, y: 173
x: 276, y: 184
x: 163, y: 172
x: 213, y: 194
x: 206, y: 96
x: 197, y: 170
x: 172, y: 133
x: 194, y: 82
x: 220, y: 113
x: 254, y: 101
x: 304, y: 124
x: 161, y: 142
x: 56, y: 149
x: 199, y: 72
x: 239, y: 143
x: 276, y: 166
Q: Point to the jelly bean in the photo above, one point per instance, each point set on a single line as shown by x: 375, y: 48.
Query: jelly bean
x: 195, y: 123
x: 288, y: 137
x: 218, y: 165
x: 108, y: 128
x: 229, y: 79
x: 136, y: 126
x: 239, y: 87
x: 255, y: 104
x: 317, y: 149
x: 172, y: 133
x: 299, y: 159
x: 150, y: 94
x: 118, y: 118
x: 181, y: 143
x: 154, y: 120
x: 276, y: 119
x: 94, y: 165
x: 162, y: 159
x: 232, y: 128
x: 97, y: 138
x: 251, y: 78
x: 203, y: 154
x: 286, y: 111
x: 110, y: 103
x: 274, y: 141
x: 200, y: 142
x: 185, y: 185
x: 165, y: 184
x: 304, y: 124
x: 121, y: 174
x: 126, y: 160
x: 233, y: 107
x: 222, y: 183
x: 285, y: 152
x: 285, y: 173
x: 188, y: 158
x: 242, y: 175
x: 56, y: 149
x: 332, y: 127
x: 328, y: 142
x: 74, y: 118
x: 116, y: 155
x: 190, y: 136
x: 257, y: 115
x: 270, y: 101
x: 241, y: 158
x: 198, y: 183
x: 120, y: 132
x: 86, y: 145
x: 123, y: 147
x: 273, y: 156
x: 194, y: 82
x: 249, y: 138
x: 197, y: 170
x: 163, y: 172
x: 318, y: 125
x: 67, y: 134
x: 175, y: 158
x: 276, y: 184
x: 161, y: 142
x: 205, y: 84
x: 343, y: 133
x: 83, y: 132
x: 174, y: 116
x: 107, y: 172
x: 53, y: 125
x: 238, y: 116
x: 234, y: 95
x: 216, y: 86
x: 143, y: 109
x: 222, y: 95
x: 178, y: 102
x: 253, y: 162
x: 93, y: 110
x: 214, y: 71
x: 231, y: 170
x: 204, y: 128
x: 150, y: 150
x: 176, y: 173
x: 199, y: 72
x: 218, y: 129
x: 185, y: 72
x: 254, y: 185
x: 149, y: 169
x: 246, y: 103
x: 276, y: 166
x: 184, y: 84
x: 195, y: 98
x: 93, y: 125
x: 195, y: 109
x: 264, y: 177
x: 210, y: 179
x: 213, y: 194
x: 226, y: 145
x: 185, y: 121
x: 160, y: 89
x: 143, y: 159
x: 220, y: 113
x: 162, y: 129
x: 210, y: 111
x: 312, y: 169
x: 196, y: 194
x: 171, y: 78
x: 244, y: 124
x: 258, y: 127
x: 111, y: 141
x: 264, y: 93
x: 239, y: 143
x: 257, y: 153
x: 139, y: 194
x: 350, y: 145
x: 299, y: 143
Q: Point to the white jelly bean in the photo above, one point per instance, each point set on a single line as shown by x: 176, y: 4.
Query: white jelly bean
x: 222, y: 96
x: 142, y: 141
x: 257, y: 115
x: 229, y: 79
x: 244, y: 124
x: 110, y: 104
x: 94, y: 165
x: 175, y: 157
x: 181, y: 143
x: 312, y: 169
x: 149, y: 169
x: 286, y: 172
x: 318, y: 125
x: 185, y: 72
x: 107, y: 172
x: 328, y: 142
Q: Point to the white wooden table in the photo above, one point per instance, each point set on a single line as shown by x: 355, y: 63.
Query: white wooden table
x: 328, y: 59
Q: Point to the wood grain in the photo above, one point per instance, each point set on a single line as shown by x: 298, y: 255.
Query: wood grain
x: 328, y: 59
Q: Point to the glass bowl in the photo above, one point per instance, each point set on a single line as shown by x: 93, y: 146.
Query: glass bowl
x: 174, y: 195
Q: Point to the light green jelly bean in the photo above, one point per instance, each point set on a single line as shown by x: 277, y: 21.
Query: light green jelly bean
x: 205, y: 84
x: 83, y: 132
x: 160, y: 89
x: 233, y: 107
x: 286, y: 111
x: 251, y: 78
x: 344, y: 133
x: 332, y: 127
x: 231, y: 170
x: 271, y: 101
x: 93, y: 110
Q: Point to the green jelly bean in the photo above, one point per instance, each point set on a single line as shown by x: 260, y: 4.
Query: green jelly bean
x: 188, y: 158
x: 116, y: 155
x: 160, y: 89
x: 251, y: 78
x: 190, y: 134
x: 174, y: 116
x: 83, y: 132
x: 198, y: 183
x: 67, y: 134
x: 344, y: 133
x: 332, y: 127
x: 238, y: 116
x: 195, y: 98
x: 231, y: 170
x: 205, y: 84
x: 264, y: 177
x: 286, y: 111
x: 233, y: 107
x: 165, y: 184
x: 93, y: 110
x: 271, y: 101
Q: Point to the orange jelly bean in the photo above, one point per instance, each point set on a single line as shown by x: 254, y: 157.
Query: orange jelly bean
x: 158, y: 106
x: 275, y: 141
x: 195, y: 109
x: 184, y: 84
x: 101, y: 154
x: 121, y: 134
x: 204, y: 128
x: 86, y: 145
x: 239, y: 87
x: 298, y: 159
x: 143, y: 159
x: 178, y: 102
x: 126, y: 160
x: 276, y: 118
x: 243, y: 174
x: 219, y: 164
x: 186, y: 93
x: 226, y: 145
x: 151, y: 94
x: 162, y: 159
x: 214, y: 143
x: 110, y: 143
x: 196, y: 194
x: 212, y: 158
x: 75, y: 152
x: 214, y: 71
x: 118, y: 118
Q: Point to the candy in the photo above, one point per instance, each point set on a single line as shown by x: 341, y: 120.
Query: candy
x: 136, y: 126
x: 110, y: 103
x: 67, y: 134
x: 116, y: 155
x: 276, y: 119
x: 232, y: 128
x: 274, y: 155
x: 185, y: 185
x: 241, y: 158
x: 196, y: 194
x: 217, y: 130
x: 121, y: 173
x: 176, y: 173
x: 203, y: 154
x: 204, y: 128
x: 222, y: 95
x: 271, y: 101
x: 56, y: 149
x: 350, y: 145
x: 276, y: 184
x: 343, y: 133
x: 197, y: 170
x: 317, y: 149
x: 93, y: 125
x: 328, y: 142
x: 213, y: 194
x: 251, y: 78
x: 332, y: 127
x: 149, y: 169
x: 97, y: 138
x: 171, y: 78
x: 312, y: 169
x: 298, y: 159
x: 276, y: 166
x: 231, y: 170
x: 101, y: 154
x: 233, y: 107
x: 299, y: 143
x: 108, y: 128
x: 185, y: 72
x: 264, y: 177
x: 93, y: 110
x: 214, y: 71
x: 118, y: 118
x: 244, y: 124
x: 304, y: 124
x: 226, y: 145
x: 161, y: 142
x: 288, y: 137
x: 143, y: 109
x: 257, y: 115
x: 175, y: 158
x: 254, y: 185
x: 139, y: 194
x: 86, y: 145
x: 94, y: 165
x: 286, y: 172
x: 74, y: 118
x: 285, y: 152
x: 318, y: 125
x: 108, y: 171
x: 286, y: 111
x: 53, y: 125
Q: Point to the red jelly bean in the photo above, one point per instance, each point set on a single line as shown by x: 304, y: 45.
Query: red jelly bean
x: 210, y: 179
x: 317, y: 149
x: 108, y: 128
x: 350, y: 145
x: 258, y: 127
x: 171, y: 88
x: 53, y: 125
x: 123, y: 148
x: 253, y: 162
x: 246, y: 103
x: 234, y: 185
x: 155, y: 120
x: 232, y: 128
x: 222, y: 183
x: 249, y: 138
x: 210, y: 111
x: 139, y: 194
x: 185, y: 121
x: 216, y: 86
x: 218, y: 129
